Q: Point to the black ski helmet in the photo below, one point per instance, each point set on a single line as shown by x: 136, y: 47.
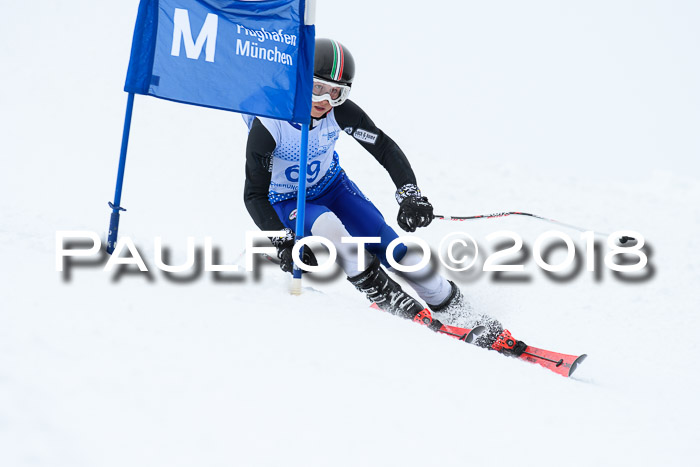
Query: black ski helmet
x: 333, y: 62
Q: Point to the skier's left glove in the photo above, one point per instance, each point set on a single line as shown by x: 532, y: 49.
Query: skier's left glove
x: 414, y: 210
x: 284, y: 245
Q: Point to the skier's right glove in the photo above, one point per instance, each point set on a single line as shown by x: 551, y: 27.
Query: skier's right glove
x: 284, y: 245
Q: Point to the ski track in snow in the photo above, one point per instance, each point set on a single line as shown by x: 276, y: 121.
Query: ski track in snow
x: 105, y: 371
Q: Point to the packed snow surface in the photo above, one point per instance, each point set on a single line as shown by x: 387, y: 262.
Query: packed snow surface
x: 583, y: 112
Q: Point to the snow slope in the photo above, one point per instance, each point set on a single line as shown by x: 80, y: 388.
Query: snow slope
x: 586, y: 113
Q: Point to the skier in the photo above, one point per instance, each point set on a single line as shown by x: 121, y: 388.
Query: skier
x: 336, y: 207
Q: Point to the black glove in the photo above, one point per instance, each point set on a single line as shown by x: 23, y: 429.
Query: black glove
x: 284, y: 245
x: 414, y: 210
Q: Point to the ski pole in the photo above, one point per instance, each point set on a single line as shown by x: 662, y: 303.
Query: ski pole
x: 622, y: 240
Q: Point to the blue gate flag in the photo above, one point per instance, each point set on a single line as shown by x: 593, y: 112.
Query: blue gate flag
x: 253, y: 57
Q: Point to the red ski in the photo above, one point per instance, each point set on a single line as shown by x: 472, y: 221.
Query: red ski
x: 506, y: 344
x: 560, y: 363
x: 425, y: 318
x: 463, y: 334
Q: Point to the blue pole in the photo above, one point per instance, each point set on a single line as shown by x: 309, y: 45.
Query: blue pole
x: 301, y: 198
x: 114, y: 217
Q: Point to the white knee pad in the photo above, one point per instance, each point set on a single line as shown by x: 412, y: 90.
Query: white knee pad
x: 432, y: 288
x: 329, y: 226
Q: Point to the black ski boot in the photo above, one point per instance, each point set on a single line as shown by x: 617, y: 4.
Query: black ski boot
x: 382, y: 290
x: 455, y: 311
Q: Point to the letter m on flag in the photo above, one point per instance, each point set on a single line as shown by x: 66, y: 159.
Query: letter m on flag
x: 183, y: 32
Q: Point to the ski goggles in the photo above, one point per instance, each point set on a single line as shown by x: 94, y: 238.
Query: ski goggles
x: 334, y: 93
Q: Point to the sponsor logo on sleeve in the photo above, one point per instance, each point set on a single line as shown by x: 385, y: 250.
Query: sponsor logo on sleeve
x: 365, y: 136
